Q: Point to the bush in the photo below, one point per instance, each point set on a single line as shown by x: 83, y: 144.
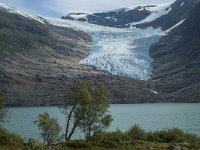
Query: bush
x: 137, y: 133
x: 33, y: 145
x: 49, y: 127
x: 77, y: 144
x: 109, y: 144
x: 191, y: 137
x: 116, y: 136
x: 153, y: 136
x: 171, y: 135
x: 7, y: 138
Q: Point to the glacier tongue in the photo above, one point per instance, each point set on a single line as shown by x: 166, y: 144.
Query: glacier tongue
x: 123, y: 52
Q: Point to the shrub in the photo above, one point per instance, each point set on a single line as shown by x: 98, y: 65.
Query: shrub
x: 171, y: 135
x: 7, y: 138
x: 191, y: 137
x: 77, y: 144
x: 153, y: 136
x: 109, y: 144
x: 50, y: 129
x: 116, y: 136
x: 137, y: 133
x: 33, y: 145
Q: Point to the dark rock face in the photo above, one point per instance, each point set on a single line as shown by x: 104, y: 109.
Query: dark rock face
x: 117, y: 18
x: 176, y: 56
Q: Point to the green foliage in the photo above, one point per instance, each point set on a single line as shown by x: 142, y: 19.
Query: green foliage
x: 7, y: 138
x: 50, y: 129
x: 116, y: 136
x: 86, y: 107
x: 33, y: 145
x: 13, y: 25
x: 109, y: 144
x: 171, y: 135
x: 137, y: 133
x: 95, y: 111
x: 77, y: 144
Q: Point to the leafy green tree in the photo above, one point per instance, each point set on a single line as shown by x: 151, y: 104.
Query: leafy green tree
x: 95, y: 111
x: 50, y: 128
x: 86, y: 107
x: 2, y: 108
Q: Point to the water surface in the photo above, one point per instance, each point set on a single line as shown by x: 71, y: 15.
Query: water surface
x: 148, y: 116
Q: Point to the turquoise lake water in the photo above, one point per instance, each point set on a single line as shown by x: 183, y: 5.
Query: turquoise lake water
x: 148, y: 116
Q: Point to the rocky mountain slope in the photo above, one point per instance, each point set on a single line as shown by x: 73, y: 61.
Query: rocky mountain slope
x: 38, y: 61
x: 176, y: 72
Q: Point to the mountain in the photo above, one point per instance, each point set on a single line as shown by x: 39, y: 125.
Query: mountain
x: 177, y: 55
x: 180, y: 11
x: 175, y: 74
x: 123, y: 17
x: 33, y: 55
x: 40, y: 57
x: 38, y: 62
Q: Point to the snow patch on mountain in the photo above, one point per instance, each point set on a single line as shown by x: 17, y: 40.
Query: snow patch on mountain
x: 156, y: 12
x: 176, y: 25
x: 123, y: 52
x: 77, y: 16
x: 182, y: 4
x: 120, y: 17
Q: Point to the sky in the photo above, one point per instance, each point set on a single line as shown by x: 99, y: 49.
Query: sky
x: 58, y: 8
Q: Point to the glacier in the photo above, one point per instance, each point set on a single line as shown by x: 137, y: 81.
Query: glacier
x: 122, y: 52
x: 118, y: 51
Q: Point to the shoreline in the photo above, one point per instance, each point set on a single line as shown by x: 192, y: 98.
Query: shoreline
x: 25, y: 106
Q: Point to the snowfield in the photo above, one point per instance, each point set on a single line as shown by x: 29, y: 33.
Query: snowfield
x: 122, y: 52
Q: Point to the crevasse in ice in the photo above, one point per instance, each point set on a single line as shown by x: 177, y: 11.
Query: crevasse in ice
x: 122, y: 52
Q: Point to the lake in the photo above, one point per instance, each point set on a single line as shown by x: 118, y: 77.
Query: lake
x: 148, y: 116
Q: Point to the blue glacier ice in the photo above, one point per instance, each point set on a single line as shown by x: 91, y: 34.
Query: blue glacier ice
x: 122, y: 52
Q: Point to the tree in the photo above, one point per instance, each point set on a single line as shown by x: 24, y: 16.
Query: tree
x: 96, y: 114
x: 50, y: 128
x: 86, y: 107
x: 2, y: 108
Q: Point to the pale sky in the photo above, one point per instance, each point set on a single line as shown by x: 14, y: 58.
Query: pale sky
x: 58, y: 8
